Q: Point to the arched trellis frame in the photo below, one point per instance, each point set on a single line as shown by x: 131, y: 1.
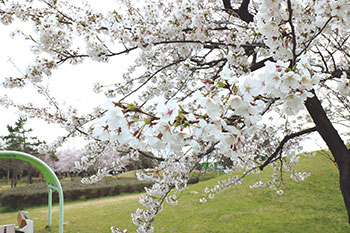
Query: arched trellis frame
x: 52, y: 181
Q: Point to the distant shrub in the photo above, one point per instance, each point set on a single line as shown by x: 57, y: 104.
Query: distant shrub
x: 193, y: 180
x: 37, y: 194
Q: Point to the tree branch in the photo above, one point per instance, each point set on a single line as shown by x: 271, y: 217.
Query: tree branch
x: 260, y: 64
x: 316, y: 35
x: 290, y: 21
x: 150, y: 156
x: 284, y: 141
x: 242, y: 11
x: 151, y: 77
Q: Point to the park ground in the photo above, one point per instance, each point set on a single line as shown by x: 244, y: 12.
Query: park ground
x: 314, y: 205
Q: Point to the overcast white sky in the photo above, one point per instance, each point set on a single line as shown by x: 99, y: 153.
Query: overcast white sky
x: 72, y: 84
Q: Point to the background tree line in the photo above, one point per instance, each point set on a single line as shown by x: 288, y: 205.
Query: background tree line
x: 19, y: 138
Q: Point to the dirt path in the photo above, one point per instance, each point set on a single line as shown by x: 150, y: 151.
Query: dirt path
x: 96, y: 202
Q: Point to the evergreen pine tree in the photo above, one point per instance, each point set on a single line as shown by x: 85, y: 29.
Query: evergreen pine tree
x: 19, y: 139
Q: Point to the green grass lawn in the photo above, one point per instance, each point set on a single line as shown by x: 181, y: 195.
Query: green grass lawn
x: 314, y: 205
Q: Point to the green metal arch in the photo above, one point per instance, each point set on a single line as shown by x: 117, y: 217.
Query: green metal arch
x: 52, y: 181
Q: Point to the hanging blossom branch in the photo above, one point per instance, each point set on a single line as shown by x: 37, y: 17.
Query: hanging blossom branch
x: 206, y: 44
x: 316, y: 35
x: 155, y: 197
x: 284, y: 141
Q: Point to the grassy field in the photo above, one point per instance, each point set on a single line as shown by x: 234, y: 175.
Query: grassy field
x: 314, y: 205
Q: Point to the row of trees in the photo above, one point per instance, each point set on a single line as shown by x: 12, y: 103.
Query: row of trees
x: 63, y: 162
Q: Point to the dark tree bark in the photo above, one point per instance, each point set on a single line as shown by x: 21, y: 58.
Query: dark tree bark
x: 30, y: 175
x: 335, y: 144
x: 14, y: 178
x: 242, y: 11
x: 8, y: 175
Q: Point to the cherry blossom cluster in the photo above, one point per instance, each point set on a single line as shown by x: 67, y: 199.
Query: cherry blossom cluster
x: 289, y: 29
x: 293, y: 85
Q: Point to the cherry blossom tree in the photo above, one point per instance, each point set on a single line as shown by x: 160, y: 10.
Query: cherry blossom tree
x: 65, y: 163
x: 241, y: 79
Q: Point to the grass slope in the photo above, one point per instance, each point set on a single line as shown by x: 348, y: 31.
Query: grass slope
x: 314, y: 205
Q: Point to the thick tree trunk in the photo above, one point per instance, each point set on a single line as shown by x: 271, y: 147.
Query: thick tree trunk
x: 335, y: 144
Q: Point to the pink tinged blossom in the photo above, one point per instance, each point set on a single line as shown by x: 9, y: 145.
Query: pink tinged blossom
x: 250, y: 88
x: 228, y: 142
x: 116, y: 119
x: 97, y: 51
x: 212, y: 106
x: 168, y: 111
x: 339, y: 8
x: 344, y: 85
x: 290, y: 81
x: 101, y: 132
